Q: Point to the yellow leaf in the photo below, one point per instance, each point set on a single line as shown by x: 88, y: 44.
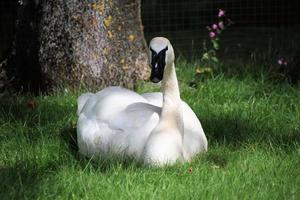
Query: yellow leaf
x: 109, y: 34
x: 122, y: 61
x: 98, y: 7
x: 107, y: 21
x: 95, y: 56
x: 216, y: 167
x: 199, y: 71
x: 94, y: 6
x: 105, y: 50
x: 203, y: 70
x: 125, y: 67
x: 131, y: 37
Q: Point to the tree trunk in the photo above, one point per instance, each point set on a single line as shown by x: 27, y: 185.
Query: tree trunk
x: 23, y: 66
x: 91, y: 43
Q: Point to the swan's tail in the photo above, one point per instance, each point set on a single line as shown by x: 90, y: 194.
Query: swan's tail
x: 82, y: 99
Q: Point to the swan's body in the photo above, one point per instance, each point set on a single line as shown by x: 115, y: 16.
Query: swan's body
x: 157, y: 128
x: 115, y: 120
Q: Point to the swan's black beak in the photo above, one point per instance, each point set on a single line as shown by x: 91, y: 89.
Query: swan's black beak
x: 158, y: 62
x: 157, y: 71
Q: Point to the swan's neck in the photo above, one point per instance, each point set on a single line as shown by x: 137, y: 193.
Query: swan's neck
x: 170, y: 89
x: 171, y: 109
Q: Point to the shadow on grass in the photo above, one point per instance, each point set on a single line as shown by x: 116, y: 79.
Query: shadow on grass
x: 32, y: 112
x: 236, y: 131
x: 21, y: 181
x: 219, y: 161
x: 28, y: 118
x: 69, y: 136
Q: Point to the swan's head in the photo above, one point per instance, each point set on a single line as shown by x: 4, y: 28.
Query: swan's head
x: 161, y: 56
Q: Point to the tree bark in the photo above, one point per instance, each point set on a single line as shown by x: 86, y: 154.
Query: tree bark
x: 74, y: 43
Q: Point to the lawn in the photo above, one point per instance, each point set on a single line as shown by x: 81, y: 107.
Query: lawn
x: 252, y: 123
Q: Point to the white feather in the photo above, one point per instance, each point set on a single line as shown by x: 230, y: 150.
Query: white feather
x: 157, y: 128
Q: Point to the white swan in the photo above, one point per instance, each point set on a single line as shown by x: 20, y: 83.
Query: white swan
x: 157, y: 128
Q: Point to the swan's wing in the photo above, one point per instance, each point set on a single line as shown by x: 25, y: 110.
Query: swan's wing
x: 81, y: 101
x: 115, y: 120
x: 134, y: 125
x: 154, y: 98
x: 107, y: 103
x: 194, y: 139
x: 135, y: 116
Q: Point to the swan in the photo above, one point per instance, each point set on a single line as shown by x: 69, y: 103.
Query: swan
x: 156, y: 128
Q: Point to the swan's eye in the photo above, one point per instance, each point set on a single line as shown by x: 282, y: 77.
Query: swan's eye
x: 153, y: 54
x: 164, y: 50
x: 152, y: 51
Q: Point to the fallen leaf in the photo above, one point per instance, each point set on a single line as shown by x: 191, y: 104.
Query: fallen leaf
x: 32, y: 104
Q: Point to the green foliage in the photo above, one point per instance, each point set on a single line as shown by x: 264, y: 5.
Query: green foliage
x: 215, y: 44
x: 251, y: 123
x: 209, y: 56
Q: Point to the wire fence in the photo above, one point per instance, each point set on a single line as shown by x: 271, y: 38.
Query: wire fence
x: 260, y: 26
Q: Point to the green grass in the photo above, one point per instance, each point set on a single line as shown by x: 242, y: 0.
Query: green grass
x: 252, y: 124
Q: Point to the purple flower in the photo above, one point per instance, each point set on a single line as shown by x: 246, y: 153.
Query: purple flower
x: 214, y: 26
x: 280, y: 61
x: 221, y: 13
x: 212, y: 34
x: 221, y: 25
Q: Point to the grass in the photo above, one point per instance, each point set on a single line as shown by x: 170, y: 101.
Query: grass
x: 252, y: 125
